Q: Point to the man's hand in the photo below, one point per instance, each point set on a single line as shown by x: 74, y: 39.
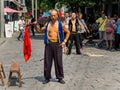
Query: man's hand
x: 88, y: 31
x: 78, y: 31
x: 34, y: 23
x: 62, y: 44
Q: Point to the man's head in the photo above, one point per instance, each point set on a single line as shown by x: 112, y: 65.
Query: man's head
x: 80, y: 16
x: 21, y: 17
x: 54, y: 15
x: 31, y: 16
x: 103, y: 15
x: 66, y: 14
x: 73, y: 15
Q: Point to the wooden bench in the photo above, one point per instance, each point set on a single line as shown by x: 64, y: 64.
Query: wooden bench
x: 14, y: 69
x: 2, y: 73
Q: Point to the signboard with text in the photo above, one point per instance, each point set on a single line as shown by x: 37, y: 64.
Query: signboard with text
x: 8, y: 30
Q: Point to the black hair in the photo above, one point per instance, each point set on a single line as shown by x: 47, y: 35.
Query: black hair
x: 21, y: 16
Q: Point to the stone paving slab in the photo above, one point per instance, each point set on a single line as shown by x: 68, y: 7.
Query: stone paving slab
x: 82, y: 72
x: 2, y: 41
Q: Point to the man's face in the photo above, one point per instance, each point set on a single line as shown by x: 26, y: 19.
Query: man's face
x: 22, y: 18
x: 103, y: 15
x: 54, y: 15
x: 73, y: 15
x: 66, y: 14
x: 80, y: 16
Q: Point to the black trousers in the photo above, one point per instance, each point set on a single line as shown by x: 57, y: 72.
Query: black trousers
x: 75, y: 38
x: 117, y: 41
x: 21, y: 35
x: 53, y: 52
x: 32, y: 29
x: 81, y: 38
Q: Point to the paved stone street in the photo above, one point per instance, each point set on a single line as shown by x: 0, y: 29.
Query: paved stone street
x: 95, y: 69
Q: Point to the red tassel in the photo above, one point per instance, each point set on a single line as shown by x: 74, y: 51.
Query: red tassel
x: 27, y: 45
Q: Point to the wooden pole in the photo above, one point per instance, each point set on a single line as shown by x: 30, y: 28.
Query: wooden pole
x: 36, y: 10
x: 33, y: 8
x: 2, y: 18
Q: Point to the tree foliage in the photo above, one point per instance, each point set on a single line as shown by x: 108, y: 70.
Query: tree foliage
x: 45, y: 5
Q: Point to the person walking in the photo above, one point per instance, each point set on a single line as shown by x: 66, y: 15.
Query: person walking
x: 54, y: 41
x: 32, y: 27
x: 74, y: 25
x: 21, y: 24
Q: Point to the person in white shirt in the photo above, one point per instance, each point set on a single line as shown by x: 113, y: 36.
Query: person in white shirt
x: 83, y: 31
x: 67, y: 18
x: 66, y: 22
x: 21, y: 24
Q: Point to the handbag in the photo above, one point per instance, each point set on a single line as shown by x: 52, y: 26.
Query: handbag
x: 108, y: 31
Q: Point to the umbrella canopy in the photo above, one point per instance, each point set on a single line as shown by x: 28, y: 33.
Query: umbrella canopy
x: 47, y: 14
x: 9, y: 10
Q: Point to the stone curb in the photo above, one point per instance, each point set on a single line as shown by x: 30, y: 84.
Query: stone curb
x: 2, y: 42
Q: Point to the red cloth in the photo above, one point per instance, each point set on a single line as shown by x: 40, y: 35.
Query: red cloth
x: 27, y: 45
x: 60, y: 14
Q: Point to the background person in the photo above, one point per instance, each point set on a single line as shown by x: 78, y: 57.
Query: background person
x: 74, y: 35
x: 32, y: 27
x: 117, y: 35
x: 21, y: 24
x: 84, y: 29
x: 101, y: 21
x: 109, y: 33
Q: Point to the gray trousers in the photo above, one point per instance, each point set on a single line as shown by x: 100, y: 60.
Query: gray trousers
x: 101, y: 38
x: 21, y: 35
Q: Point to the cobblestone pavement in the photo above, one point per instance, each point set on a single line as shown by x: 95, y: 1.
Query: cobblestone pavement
x: 95, y: 69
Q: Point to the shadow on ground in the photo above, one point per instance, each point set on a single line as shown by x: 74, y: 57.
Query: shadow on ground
x: 40, y: 37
